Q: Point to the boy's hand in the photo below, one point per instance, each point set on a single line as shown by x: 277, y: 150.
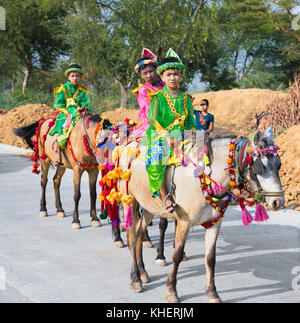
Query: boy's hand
x: 171, y: 141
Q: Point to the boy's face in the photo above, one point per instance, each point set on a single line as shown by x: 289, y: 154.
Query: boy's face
x: 203, y: 106
x: 74, y: 77
x: 148, y: 74
x: 172, y: 78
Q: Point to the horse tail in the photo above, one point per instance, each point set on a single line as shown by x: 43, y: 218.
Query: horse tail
x: 26, y: 133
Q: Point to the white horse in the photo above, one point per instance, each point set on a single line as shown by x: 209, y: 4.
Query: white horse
x: 192, y: 208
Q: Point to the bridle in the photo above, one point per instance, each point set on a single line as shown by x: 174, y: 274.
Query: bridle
x: 241, y: 166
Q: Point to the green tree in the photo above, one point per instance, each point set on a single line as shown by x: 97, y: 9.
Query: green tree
x: 33, y: 33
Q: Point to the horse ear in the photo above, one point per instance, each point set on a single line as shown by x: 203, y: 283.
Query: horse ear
x: 269, y: 133
x: 257, y: 137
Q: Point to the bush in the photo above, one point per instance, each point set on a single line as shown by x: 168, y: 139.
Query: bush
x: 281, y: 113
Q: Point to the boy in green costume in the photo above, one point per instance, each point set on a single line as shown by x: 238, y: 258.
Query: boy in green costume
x: 70, y: 99
x: 170, y: 114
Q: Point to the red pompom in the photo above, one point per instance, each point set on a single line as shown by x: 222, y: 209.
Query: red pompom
x: 248, y: 160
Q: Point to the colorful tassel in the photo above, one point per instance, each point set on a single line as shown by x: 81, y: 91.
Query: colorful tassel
x: 183, y: 161
x: 217, y: 188
x: 114, y: 216
x: 103, y: 215
x: 128, y: 217
x: 246, y: 217
x: 261, y: 214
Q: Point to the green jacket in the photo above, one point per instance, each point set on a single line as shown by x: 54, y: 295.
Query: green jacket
x: 68, y: 100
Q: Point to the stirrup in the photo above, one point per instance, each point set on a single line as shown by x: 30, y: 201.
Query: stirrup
x: 171, y: 208
x: 58, y: 163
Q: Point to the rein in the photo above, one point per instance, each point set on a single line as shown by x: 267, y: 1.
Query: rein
x: 88, y: 139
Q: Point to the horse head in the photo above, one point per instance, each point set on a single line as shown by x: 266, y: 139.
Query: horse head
x: 265, y: 166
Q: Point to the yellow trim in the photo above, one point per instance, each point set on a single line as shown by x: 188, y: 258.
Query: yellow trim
x: 162, y: 132
x: 136, y: 90
x: 82, y: 88
x: 57, y: 89
x: 63, y: 110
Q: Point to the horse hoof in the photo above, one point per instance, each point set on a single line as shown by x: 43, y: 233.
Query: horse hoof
x: 160, y: 262
x: 172, y: 298
x: 145, y: 278
x: 60, y: 214
x: 119, y: 244
x: 136, y: 287
x: 147, y: 244
x: 76, y: 225
x: 95, y: 224
x: 43, y: 214
x: 215, y: 300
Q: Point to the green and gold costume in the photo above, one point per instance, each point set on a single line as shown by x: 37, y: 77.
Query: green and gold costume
x: 167, y: 116
x: 68, y: 100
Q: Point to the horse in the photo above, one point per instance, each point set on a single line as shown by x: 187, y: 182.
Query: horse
x: 259, y: 175
x: 79, y: 155
x: 76, y: 156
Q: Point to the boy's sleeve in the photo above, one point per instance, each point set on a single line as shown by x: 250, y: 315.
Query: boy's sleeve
x: 190, y: 121
x: 154, y: 118
x: 60, y: 101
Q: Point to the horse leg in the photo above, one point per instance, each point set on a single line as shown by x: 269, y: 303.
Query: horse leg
x: 211, y: 235
x: 56, y: 183
x: 182, y: 231
x: 141, y: 229
x: 116, y: 232
x: 45, y: 164
x: 93, y: 174
x: 136, y: 283
x: 184, y: 258
x: 160, y: 259
x: 77, y: 173
x: 147, y: 243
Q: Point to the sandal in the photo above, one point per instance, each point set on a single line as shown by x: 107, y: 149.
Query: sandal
x: 171, y: 205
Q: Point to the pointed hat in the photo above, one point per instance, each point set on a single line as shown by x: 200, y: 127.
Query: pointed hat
x: 171, y: 65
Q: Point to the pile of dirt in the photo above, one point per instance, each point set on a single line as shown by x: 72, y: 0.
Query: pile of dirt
x: 17, y: 117
x: 118, y: 115
x: 289, y: 153
x: 231, y: 108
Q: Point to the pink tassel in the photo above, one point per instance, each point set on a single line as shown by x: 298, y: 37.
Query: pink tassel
x: 246, y: 217
x: 217, y: 188
x: 261, y: 213
x: 44, y: 156
x: 183, y: 161
x: 128, y: 217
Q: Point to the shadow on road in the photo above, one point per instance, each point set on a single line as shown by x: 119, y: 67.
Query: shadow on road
x: 267, y: 252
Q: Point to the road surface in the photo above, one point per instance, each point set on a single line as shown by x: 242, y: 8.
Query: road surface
x: 45, y: 260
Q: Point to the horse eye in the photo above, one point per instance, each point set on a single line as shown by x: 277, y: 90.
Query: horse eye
x: 259, y: 168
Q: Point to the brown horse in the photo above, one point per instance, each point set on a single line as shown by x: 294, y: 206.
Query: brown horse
x: 77, y: 156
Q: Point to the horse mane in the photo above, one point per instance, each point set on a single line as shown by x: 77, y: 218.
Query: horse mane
x: 95, y: 118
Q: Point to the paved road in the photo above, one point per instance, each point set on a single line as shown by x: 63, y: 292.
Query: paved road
x: 44, y: 260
